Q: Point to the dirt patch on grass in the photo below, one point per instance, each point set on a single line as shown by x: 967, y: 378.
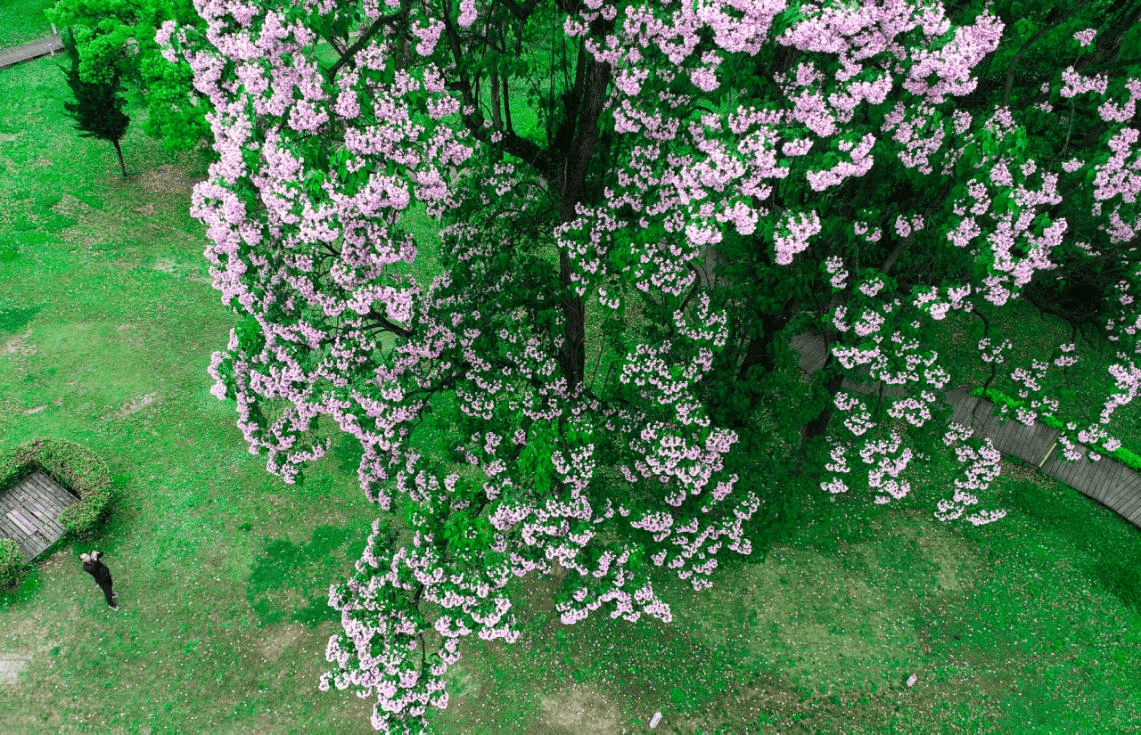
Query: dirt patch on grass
x: 19, y: 345
x: 11, y: 664
x: 41, y: 409
x: 464, y: 687
x: 165, y: 179
x: 278, y: 640
x: 137, y: 404
x: 578, y: 710
x: 169, y: 265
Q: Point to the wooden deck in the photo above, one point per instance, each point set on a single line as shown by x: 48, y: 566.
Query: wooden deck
x: 1108, y: 482
x: 29, y: 513
x: 31, y: 50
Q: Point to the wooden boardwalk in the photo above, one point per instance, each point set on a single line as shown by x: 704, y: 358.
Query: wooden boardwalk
x: 31, y: 50
x: 29, y: 513
x: 1108, y: 482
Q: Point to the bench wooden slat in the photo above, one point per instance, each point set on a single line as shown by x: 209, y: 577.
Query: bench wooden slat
x: 34, y: 500
x: 44, y: 498
x: 50, y: 489
x: 29, y: 512
x: 21, y: 522
x: 1129, y: 504
x: 1120, y: 491
x: 10, y: 530
x: 45, y: 521
x: 31, y: 493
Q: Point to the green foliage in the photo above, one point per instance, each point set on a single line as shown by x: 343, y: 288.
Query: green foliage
x: 286, y: 571
x: 98, y: 106
x: 12, y: 564
x: 171, y: 117
x: 347, y: 450
x: 116, y: 38
x: 14, y: 319
x: 73, y: 466
x: 1121, y: 454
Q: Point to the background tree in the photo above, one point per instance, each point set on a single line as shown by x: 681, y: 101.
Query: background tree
x: 117, y: 36
x: 542, y: 400
x: 98, y: 106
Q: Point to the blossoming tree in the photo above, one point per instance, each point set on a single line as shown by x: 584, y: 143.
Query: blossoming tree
x: 586, y: 157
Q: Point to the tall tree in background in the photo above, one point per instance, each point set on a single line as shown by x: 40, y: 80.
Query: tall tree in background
x: 117, y: 36
x: 582, y: 158
x: 98, y: 106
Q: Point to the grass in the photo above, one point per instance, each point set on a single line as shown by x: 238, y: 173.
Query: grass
x: 108, y: 323
x: 23, y: 21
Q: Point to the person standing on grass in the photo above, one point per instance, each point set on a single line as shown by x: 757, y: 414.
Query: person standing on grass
x: 96, y: 568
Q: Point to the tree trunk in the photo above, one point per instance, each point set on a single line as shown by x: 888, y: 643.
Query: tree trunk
x: 760, y: 349
x: 572, y: 355
x: 591, y: 82
x: 758, y: 353
x: 119, y: 151
x: 816, y: 427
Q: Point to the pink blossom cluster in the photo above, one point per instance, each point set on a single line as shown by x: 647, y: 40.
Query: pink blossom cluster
x: 869, y: 232
x: 794, y: 230
x: 1113, y: 112
x: 888, y: 459
x: 859, y: 164
x: 1031, y: 384
x: 982, y: 464
x: 1074, y: 83
x: 1085, y: 37
x: 834, y: 266
x: 952, y: 63
x: 992, y: 351
x: 920, y: 139
x: 1120, y: 175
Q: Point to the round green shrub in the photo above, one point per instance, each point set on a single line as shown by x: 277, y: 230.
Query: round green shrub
x: 75, y: 467
x: 12, y: 564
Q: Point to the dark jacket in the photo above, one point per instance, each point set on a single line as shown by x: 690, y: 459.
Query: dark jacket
x: 96, y: 568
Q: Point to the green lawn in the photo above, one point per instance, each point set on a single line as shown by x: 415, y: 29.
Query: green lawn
x: 107, y: 323
x: 23, y: 20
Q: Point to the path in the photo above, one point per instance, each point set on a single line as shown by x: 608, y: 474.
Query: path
x: 31, y: 50
x: 1108, y: 482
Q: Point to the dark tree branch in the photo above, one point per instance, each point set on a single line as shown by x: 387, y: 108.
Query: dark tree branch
x: 1030, y: 42
x: 384, y: 324
x: 365, y: 38
x: 521, y: 11
x: 512, y: 143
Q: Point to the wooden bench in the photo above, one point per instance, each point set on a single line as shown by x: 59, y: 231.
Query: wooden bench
x: 29, y: 513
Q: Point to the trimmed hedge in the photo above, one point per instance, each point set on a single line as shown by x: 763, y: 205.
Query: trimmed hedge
x: 12, y: 564
x: 1121, y: 454
x: 73, y: 466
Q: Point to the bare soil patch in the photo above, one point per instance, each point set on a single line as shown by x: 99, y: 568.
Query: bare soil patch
x: 11, y: 664
x: 578, y: 710
x: 137, y: 404
x: 169, y: 265
x: 19, y: 345
x: 165, y: 179
x: 277, y: 641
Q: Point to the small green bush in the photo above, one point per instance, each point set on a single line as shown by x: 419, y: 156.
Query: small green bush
x: 12, y: 564
x: 72, y: 465
x: 1121, y: 454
